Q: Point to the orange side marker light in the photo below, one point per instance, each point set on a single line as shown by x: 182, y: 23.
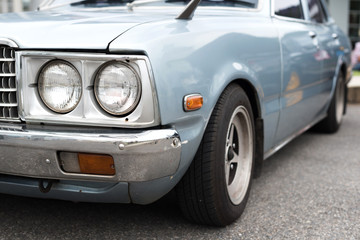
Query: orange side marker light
x: 193, y: 102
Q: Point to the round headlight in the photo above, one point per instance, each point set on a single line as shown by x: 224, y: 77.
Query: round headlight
x: 117, y: 88
x: 59, y: 86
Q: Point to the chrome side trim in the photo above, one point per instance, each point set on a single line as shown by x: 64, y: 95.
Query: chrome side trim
x: 273, y: 150
x: 138, y: 155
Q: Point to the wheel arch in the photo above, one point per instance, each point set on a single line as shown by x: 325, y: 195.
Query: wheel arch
x: 252, y: 94
x: 344, y: 72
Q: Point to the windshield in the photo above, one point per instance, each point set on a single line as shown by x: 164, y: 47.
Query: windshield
x: 108, y: 3
x: 101, y: 2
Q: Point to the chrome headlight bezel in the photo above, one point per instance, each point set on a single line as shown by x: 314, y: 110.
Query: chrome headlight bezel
x: 88, y: 112
x: 41, y: 93
x: 138, y: 93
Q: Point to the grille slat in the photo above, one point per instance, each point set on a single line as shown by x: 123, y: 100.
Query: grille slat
x: 7, y: 60
x: 8, y: 105
x: 7, y: 74
x: 8, y: 88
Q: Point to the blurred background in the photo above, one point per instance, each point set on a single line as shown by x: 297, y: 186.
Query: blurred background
x: 347, y: 15
x: 18, y: 5
x: 345, y: 12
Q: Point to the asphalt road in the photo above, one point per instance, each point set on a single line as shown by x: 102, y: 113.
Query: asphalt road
x: 308, y: 190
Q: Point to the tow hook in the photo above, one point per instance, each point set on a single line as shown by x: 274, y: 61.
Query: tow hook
x: 47, y: 188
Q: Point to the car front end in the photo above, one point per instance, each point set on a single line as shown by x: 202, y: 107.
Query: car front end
x: 69, y: 126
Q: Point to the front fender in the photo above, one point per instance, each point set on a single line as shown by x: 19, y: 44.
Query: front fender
x: 194, y: 57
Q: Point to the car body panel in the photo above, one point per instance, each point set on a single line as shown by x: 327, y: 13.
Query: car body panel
x: 76, y: 191
x: 68, y: 29
x: 186, y: 73
x: 292, y: 75
x: 304, y: 91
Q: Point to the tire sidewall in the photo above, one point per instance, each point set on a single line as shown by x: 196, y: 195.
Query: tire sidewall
x: 236, y: 98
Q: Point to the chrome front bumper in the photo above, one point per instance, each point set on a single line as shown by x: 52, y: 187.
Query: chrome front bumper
x: 32, y: 151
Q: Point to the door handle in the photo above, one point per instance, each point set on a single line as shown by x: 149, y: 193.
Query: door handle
x: 312, y: 34
x: 334, y: 36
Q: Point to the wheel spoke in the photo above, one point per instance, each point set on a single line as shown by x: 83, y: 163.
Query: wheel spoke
x: 233, y: 187
x: 236, y: 158
x: 227, y: 172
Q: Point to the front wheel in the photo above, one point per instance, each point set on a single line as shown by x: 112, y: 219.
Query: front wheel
x: 216, y: 187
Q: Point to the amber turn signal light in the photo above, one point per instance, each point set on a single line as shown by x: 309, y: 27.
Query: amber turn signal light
x: 193, y: 102
x: 87, y: 163
x: 96, y: 164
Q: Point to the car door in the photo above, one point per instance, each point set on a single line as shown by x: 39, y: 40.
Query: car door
x: 302, y: 69
x: 329, y: 44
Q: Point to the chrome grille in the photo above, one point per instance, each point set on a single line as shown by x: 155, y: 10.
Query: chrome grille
x: 8, y: 89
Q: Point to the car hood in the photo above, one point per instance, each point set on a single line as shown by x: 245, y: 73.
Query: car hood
x: 69, y: 30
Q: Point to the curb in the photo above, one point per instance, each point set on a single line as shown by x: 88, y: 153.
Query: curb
x: 353, y: 95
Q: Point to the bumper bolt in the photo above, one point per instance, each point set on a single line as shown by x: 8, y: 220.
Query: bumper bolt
x: 121, y: 146
x: 175, y: 142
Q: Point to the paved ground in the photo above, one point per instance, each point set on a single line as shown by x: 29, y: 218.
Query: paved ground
x: 308, y: 190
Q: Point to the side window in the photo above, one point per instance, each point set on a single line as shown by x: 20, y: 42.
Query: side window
x: 289, y: 8
x: 316, y: 11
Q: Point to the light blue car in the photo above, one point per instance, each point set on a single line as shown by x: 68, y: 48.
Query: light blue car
x: 117, y: 101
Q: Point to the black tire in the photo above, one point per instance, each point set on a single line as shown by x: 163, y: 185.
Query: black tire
x: 203, y: 193
x: 332, y: 122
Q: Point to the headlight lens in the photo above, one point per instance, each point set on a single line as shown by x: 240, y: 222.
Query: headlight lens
x: 117, y: 88
x: 59, y: 86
